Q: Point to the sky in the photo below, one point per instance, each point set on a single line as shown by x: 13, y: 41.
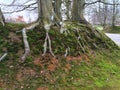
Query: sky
x: 5, y: 1
x: 28, y: 15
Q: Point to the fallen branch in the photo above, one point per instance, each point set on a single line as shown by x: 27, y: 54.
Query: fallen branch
x: 3, y: 56
x: 26, y: 44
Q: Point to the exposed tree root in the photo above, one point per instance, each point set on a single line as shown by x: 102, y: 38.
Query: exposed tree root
x: 67, y: 51
x: 3, y: 56
x: 47, y: 28
x: 26, y: 44
x: 32, y: 26
x: 63, y: 28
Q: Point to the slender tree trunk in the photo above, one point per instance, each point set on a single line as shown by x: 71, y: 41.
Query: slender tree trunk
x: 105, y: 15
x: 113, y: 16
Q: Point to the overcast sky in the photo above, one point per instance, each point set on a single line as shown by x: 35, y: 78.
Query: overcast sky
x: 26, y: 14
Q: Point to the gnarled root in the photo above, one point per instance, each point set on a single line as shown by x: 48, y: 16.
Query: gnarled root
x: 47, y: 27
x: 26, y: 44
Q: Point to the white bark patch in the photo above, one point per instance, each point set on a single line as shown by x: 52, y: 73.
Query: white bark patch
x: 47, y: 26
x: 3, y: 56
x: 63, y: 28
x: 26, y: 45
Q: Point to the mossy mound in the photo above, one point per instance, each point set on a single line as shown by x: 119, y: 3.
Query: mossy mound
x: 80, y: 70
x: 76, y: 40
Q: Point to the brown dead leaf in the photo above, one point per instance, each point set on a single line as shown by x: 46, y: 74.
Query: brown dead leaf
x: 42, y: 88
x: 24, y: 74
x: 51, y: 67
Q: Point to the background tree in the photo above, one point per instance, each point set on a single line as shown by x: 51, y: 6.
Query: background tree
x: 2, y: 19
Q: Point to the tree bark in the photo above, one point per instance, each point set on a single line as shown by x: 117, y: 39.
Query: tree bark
x: 78, y: 11
x: 2, y: 19
x: 26, y: 44
x: 57, y: 7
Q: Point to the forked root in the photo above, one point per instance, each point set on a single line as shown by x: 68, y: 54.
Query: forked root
x: 47, y: 27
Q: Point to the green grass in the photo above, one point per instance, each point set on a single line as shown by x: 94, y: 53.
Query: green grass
x: 115, y: 29
x: 98, y: 27
x: 102, y: 71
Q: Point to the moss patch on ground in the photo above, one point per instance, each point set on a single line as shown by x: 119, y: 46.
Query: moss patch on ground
x: 97, y: 68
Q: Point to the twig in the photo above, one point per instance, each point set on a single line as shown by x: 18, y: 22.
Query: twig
x: 3, y: 56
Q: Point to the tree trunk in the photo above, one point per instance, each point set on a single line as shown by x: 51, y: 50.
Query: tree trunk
x: 2, y: 19
x: 113, y: 16
x: 57, y: 8
x: 78, y: 11
x: 72, y: 38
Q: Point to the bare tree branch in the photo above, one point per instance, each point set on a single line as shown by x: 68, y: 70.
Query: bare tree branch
x: 100, y: 1
x: 24, y: 8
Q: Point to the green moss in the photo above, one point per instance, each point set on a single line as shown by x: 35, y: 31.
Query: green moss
x: 114, y: 29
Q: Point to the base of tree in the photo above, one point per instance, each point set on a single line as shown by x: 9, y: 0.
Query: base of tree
x: 72, y: 39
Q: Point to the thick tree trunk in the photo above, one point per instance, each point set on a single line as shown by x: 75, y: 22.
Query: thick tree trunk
x: 39, y: 11
x: 78, y: 11
x: 57, y: 7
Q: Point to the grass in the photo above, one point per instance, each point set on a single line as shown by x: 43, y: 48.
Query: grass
x: 102, y: 70
x: 98, y: 27
x: 110, y: 29
x: 95, y: 70
x: 115, y: 29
